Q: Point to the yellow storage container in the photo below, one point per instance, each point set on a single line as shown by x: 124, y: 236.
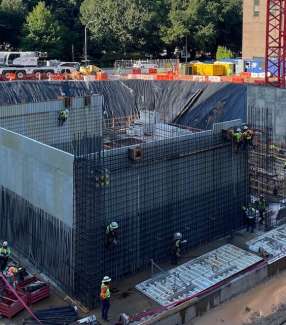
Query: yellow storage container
x: 228, y: 67
x: 197, y: 68
x: 213, y: 70
x: 208, y: 69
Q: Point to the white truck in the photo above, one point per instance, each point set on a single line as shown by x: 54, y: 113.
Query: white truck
x: 29, y: 63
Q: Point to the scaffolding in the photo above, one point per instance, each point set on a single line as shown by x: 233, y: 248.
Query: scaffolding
x: 267, y: 160
x: 151, y: 177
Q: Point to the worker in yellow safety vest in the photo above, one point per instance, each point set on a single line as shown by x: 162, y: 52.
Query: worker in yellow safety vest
x: 247, y: 137
x: 237, y: 138
x: 5, y: 254
x: 63, y: 116
x: 105, y: 297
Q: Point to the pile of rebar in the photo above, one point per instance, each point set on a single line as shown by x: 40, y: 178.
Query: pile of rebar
x: 54, y: 316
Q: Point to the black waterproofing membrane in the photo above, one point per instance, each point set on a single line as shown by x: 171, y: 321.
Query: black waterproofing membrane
x: 217, y: 102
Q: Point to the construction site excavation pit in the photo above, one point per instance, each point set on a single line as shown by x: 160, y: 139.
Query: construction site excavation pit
x: 124, y: 155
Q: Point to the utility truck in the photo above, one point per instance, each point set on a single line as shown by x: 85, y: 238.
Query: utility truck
x: 29, y: 63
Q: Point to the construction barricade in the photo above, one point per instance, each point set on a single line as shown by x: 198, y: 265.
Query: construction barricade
x: 101, y: 76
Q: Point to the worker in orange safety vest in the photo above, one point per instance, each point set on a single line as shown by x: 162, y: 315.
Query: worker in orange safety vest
x: 10, y: 274
x: 105, y: 297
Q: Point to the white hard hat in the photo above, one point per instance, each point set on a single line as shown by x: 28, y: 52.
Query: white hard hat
x: 5, y: 243
x: 178, y: 235
x: 245, y: 127
x: 106, y: 279
x: 114, y: 225
x: 238, y: 130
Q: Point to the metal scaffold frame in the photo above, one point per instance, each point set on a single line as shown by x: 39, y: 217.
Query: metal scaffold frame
x: 275, y: 54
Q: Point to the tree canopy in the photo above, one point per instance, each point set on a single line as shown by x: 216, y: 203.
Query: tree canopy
x: 123, y: 27
x: 42, y: 31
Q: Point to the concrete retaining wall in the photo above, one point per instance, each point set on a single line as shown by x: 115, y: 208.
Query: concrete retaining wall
x: 38, y: 173
x: 267, y: 105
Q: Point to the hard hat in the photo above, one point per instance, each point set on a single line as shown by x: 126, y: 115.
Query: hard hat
x: 178, y: 235
x: 114, y: 225
x: 106, y: 279
x: 261, y: 196
x: 245, y: 127
x: 238, y: 130
x: 5, y: 243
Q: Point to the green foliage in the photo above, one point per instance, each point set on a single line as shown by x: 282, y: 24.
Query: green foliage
x: 206, y: 23
x: 42, y: 31
x: 11, y: 6
x: 11, y: 20
x: 120, y: 26
x: 223, y: 53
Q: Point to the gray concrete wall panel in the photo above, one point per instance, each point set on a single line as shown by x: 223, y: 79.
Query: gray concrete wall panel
x: 38, y: 173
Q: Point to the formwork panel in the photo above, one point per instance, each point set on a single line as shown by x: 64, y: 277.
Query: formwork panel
x: 196, y: 276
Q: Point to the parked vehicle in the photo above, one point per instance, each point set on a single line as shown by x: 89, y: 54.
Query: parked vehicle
x: 145, y: 65
x: 28, y: 63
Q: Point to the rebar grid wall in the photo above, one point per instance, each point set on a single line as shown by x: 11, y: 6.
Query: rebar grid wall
x: 189, y: 182
x: 37, y: 190
x: 39, y: 121
x: 194, y: 184
x: 266, y: 114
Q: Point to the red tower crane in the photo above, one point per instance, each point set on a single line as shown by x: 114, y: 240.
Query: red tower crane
x: 275, y: 54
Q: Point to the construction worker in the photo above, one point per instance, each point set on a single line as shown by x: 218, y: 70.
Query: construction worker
x: 5, y: 254
x: 250, y: 214
x: 176, y: 247
x: 63, y: 116
x: 247, y: 137
x: 111, y: 234
x: 105, y: 297
x: 11, y: 275
x: 237, y: 138
x: 261, y: 205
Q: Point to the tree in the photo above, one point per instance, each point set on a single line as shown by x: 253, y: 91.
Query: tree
x: 206, y: 23
x: 223, y: 53
x: 42, y: 32
x: 117, y: 24
x: 67, y: 14
x: 11, y: 21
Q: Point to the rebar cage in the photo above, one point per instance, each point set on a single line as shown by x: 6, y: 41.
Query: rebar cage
x: 152, y: 177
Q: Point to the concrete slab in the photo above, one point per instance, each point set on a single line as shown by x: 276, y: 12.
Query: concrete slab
x: 273, y: 242
x: 196, y: 276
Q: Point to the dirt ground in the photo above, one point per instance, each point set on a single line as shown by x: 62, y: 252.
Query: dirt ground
x: 259, y: 306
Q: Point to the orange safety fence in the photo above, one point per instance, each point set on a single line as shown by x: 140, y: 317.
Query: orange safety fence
x: 151, y: 75
x: 101, y: 76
